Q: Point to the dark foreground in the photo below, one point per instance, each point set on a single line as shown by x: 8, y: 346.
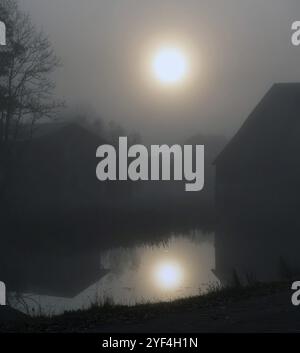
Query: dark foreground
x: 261, y: 308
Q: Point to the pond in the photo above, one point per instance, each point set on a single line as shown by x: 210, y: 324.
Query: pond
x: 179, y: 267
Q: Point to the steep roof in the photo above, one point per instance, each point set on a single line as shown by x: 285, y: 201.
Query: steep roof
x: 270, y: 126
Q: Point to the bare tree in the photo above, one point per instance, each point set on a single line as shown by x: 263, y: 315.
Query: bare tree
x: 26, y: 88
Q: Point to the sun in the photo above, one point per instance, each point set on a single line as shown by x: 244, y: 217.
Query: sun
x: 168, y: 275
x: 170, y: 65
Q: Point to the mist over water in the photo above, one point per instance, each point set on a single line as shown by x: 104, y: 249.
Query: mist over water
x: 131, y: 277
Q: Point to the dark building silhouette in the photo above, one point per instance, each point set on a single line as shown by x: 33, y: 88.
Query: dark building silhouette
x: 258, y: 192
x: 50, y: 211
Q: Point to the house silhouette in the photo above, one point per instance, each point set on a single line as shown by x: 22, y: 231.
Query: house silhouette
x: 258, y: 192
x: 50, y: 237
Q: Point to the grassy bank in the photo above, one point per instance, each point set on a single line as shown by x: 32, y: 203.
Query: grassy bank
x: 108, y: 313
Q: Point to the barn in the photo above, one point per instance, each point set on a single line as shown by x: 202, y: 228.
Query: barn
x: 258, y: 193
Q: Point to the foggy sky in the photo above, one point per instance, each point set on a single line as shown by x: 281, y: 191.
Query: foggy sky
x: 240, y: 48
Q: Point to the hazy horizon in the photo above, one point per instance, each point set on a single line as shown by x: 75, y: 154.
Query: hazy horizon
x: 104, y: 45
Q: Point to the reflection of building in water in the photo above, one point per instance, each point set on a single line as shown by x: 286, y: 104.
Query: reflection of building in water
x: 258, y: 192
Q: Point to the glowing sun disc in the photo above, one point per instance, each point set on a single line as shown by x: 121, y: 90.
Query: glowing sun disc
x: 169, y: 65
x: 168, y: 275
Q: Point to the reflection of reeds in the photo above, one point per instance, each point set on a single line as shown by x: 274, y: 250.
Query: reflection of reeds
x: 103, y: 301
